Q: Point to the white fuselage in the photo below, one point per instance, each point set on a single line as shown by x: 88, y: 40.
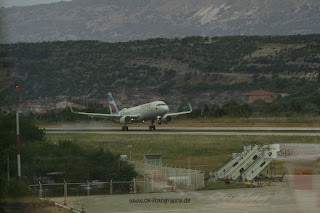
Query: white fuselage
x: 149, y: 111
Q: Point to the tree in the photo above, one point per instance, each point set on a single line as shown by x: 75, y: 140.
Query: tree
x: 41, y: 157
x: 28, y: 132
x: 235, y: 109
x: 258, y: 106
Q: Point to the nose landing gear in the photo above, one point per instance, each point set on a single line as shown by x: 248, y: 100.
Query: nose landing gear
x: 152, y: 127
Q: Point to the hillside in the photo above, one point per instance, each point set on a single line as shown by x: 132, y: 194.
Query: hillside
x: 194, y: 68
x: 124, y: 20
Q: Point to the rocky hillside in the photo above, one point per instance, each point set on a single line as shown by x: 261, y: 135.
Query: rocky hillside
x: 195, y: 68
x: 123, y: 20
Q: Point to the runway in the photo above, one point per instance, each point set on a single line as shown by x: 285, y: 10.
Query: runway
x: 191, y: 131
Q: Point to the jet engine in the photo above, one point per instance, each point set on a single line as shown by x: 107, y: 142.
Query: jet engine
x: 125, y: 120
x: 166, y: 119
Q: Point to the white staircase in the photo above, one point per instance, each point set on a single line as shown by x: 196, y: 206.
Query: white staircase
x: 249, y: 163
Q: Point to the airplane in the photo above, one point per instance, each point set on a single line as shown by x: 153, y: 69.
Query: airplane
x: 156, y: 110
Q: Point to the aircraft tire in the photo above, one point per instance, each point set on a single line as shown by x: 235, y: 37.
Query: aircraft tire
x: 152, y: 127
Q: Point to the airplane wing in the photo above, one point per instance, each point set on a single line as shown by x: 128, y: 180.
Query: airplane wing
x: 98, y: 115
x: 180, y: 113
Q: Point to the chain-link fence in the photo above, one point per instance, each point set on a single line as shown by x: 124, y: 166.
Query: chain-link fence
x: 156, y: 178
x: 163, y: 178
x: 88, y: 188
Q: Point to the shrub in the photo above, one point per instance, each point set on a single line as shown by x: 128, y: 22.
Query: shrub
x: 17, y: 189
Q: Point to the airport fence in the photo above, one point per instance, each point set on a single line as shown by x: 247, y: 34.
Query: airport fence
x: 155, y: 178
x: 164, y: 178
x: 47, y: 190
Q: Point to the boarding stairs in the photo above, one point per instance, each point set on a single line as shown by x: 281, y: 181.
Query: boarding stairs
x: 249, y: 163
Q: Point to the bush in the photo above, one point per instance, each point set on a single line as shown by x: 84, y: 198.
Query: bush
x: 17, y: 189
x: 3, y: 186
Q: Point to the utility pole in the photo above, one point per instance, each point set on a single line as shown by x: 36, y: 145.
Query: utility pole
x: 18, y: 134
x: 8, y: 166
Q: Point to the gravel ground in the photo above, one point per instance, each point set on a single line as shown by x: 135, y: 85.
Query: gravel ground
x: 298, y: 151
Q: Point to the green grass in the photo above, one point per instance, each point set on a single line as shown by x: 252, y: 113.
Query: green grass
x: 186, y: 151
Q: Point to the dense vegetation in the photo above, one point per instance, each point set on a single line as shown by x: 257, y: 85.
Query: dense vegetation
x: 161, y: 66
x: 66, y: 114
x: 287, y: 106
x: 39, y: 157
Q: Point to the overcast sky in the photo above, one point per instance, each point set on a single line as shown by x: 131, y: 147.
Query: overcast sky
x: 10, y: 3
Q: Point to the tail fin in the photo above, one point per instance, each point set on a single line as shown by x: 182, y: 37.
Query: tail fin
x: 112, y: 105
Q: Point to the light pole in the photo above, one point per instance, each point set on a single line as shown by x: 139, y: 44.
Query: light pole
x: 8, y: 167
x: 18, y: 134
x: 130, y: 147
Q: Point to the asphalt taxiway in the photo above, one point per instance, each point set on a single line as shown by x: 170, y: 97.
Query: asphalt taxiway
x: 283, y: 197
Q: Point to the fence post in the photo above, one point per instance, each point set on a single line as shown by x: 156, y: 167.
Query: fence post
x: 134, y: 186
x: 111, y: 187
x: 65, y: 192
x: 147, y: 185
x: 202, y: 179
x: 40, y: 190
x: 88, y: 190
x: 151, y: 184
x: 196, y: 181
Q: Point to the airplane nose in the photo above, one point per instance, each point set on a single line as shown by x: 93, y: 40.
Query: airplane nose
x: 166, y: 108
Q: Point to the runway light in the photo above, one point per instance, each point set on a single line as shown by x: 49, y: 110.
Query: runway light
x: 142, y: 121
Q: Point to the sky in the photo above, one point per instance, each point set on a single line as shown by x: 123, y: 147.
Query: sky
x: 10, y: 3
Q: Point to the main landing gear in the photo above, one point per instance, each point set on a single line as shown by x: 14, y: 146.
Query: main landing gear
x: 159, y: 120
x: 152, y: 127
x: 125, y: 128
